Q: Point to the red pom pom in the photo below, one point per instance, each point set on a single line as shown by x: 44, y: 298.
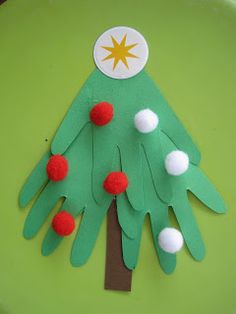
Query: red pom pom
x: 63, y: 223
x: 57, y: 168
x: 101, y: 113
x: 116, y: 183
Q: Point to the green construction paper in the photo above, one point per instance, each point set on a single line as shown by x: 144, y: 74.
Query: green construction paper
x: 125, y: 211
x: 45, y: 55
x: 40, y: 210
x: 73, y: 122
x: 105, y: 142
x: 155, y: 160
x: 159, y: 218
x: 140, y: 91
x: 127, y: 97
x: 158, y: 212
x: 203, y: 189
x: 84, y: 242
x: 89, y: 228
x: 131, y: 164
x: 86, y: 236
x: 108, y: 158
x: 52, y: 240
x: 103, y: 161
x: 35, y: 182
x: 75, y: 188
x: 92, y: 152
x: 131, y: 247
x: 126, y: 214
x: 188, y: 225
x: 195, y: 181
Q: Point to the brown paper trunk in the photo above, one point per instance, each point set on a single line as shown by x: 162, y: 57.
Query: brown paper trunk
x: 117, y: 275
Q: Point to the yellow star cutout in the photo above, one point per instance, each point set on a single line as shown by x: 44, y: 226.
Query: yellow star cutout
x: 119, y: 52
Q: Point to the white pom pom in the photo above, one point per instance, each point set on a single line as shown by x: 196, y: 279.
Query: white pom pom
x: 176, y: 162
x: 170, y: 240
x: 146, y: 121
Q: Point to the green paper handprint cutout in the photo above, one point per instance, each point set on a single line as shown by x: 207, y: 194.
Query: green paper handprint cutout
x: 192, y: 180
x: 127, y: 98
x: 76, y: 191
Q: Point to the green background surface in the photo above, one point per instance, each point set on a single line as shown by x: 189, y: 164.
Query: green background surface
x: 45, y: 56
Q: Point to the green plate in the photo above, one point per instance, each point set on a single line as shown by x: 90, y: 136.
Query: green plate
x: 45, y: 56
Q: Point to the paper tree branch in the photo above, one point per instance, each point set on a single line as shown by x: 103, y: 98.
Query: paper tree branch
x: 93, y: 151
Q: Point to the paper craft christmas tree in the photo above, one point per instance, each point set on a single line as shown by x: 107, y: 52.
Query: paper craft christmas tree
x: 120, y: 151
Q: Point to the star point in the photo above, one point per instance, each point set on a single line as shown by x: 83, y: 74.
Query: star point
x: 120, y: 52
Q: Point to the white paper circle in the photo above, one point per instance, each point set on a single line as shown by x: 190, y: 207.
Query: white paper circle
x: 121, y: 52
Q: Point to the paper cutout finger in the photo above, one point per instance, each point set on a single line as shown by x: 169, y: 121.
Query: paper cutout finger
x: 131, y: 247
x: 52, y: 240
x: 35, y: 182
x: 87, y: 234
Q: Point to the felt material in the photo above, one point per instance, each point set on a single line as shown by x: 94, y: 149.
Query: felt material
x: 170, y: 240
x: 127, y: 97
x: 116, y: 183
x: 101, y: 113
x: 63, y: 223
x: 57, y: 168
x: 117, y: 276
x: 146, y: 121
x: 176, y: 163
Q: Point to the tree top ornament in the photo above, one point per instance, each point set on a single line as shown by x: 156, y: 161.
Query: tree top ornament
x: 121, y: 52
x: 122, y: 152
